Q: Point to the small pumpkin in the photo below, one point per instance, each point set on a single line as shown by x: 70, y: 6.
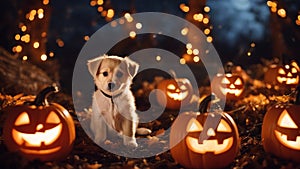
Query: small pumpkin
x: 229, y: 85
x: 39, y: 130
x: 206, y: 140
x: 174, y: 93
x: 286, y: 76
x: 281, y: 130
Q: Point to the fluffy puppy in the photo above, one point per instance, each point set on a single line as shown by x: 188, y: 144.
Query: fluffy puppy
x: 113, y: 106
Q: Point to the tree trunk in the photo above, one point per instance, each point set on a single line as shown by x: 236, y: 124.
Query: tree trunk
x: 285, y: 37
x: 20, y: 77
x: 196, y: 7
x: 37, y: 28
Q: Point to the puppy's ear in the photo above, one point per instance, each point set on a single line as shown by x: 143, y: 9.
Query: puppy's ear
x: 93, y: 65
x: 131, y: 66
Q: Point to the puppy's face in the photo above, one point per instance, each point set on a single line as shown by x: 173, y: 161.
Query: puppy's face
x: 115, y: 74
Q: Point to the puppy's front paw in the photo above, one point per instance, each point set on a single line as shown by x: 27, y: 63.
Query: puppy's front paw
x: 131, y: 142
x: 100, y: 136
x: 99, y: 139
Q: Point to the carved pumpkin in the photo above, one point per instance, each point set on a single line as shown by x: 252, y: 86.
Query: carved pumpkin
x: 174, y: 92
x: 281, y: 130
x: 207, y: 140
x: 39, y: 130
x: 229, y: 85
x: 283, y: 76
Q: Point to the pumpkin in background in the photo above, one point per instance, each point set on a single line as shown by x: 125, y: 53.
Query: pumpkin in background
x: 281, y: 130
x: 174, y: 93
x: 229, y: 85
x: 39, y: 130
x: 283, y: 76
x: 206, y: 140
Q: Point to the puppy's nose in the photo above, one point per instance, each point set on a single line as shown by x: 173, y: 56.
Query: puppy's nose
x: 111, y: 85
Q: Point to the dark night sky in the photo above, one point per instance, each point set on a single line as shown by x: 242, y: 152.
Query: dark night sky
x: 236, y: 24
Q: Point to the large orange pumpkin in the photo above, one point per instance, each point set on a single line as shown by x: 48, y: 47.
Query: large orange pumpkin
x: 174, y: 93
x: 39, y: 130
x: 207, y: 140
x: 281, y: 130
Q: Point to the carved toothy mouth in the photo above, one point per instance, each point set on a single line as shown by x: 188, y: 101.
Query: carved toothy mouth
x: 235, y: 92
x: 288, y: 80
x: 282, y: 138
x: 37, y: 139
x: 178, y: 96
x: 209, y: 145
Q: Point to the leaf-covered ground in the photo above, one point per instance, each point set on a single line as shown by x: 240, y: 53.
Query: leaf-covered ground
x: 87, y: 154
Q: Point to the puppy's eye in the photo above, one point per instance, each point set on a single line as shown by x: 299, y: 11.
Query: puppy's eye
x: 105, y: 74
x: 119, y: 74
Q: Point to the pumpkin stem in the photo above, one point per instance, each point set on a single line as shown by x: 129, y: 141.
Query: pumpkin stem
x: 41, y: 98
x: 173, y: 73
x: 284, y: 59
x: 205, y: 103
x: 297, y: 102
x: 228, y: 67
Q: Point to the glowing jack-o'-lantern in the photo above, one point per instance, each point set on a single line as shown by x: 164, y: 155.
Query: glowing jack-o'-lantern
x: 229, y: 85
x: 207, y: 140
x: 283, y: 76
x: 45, y: 133
x: 39, y: 130
x: 174, y: 92
x: 220, y: 139
x: 281, y: 130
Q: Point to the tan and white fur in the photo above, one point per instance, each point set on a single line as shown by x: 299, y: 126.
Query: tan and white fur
x: 113, y: 106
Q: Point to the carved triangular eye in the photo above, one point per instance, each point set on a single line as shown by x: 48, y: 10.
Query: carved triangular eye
x: 194, y: 125
x: 53, y: 118
x: 171, y: 87
x: 224, y: 126
x: 281, y: 71
x: 286, y: 121
x: 294, y: 70
x: 22, y: 119
x: 225, y: 81
x: 295, y: 64
x: 238, y: 81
